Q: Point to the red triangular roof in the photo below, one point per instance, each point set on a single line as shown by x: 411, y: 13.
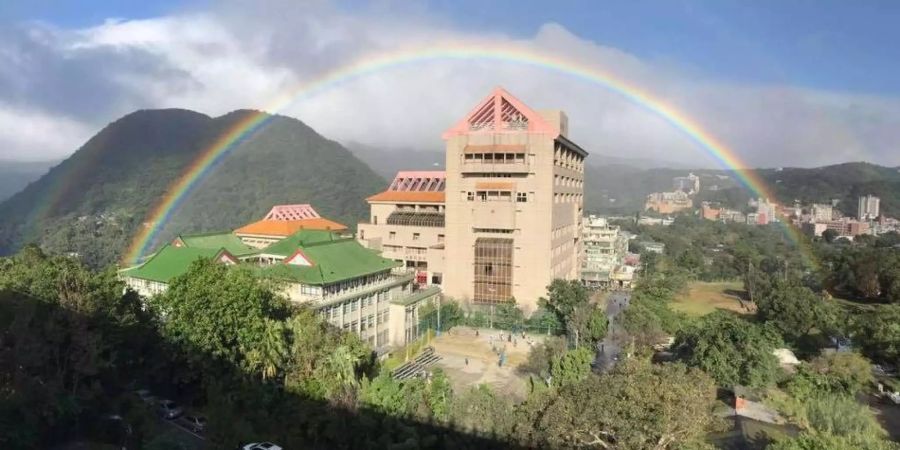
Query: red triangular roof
x: 500, y: 112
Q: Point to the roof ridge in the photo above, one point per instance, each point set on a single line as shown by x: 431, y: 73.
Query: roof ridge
x: 208, y: 233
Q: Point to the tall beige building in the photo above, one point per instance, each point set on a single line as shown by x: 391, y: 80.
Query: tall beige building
x: 514, y: 200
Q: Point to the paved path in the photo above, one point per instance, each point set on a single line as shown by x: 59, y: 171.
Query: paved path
x: 609, y: 349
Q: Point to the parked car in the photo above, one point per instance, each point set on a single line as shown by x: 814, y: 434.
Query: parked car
x: 195, y: 423
x: 169, y: 409
x: 146, y: 396
x: 262, y: 446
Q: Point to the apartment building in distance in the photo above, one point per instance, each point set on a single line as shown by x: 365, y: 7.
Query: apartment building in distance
x: 868, y: 208
x: 821, y: 212
x: 505, y: 218
x: 689, y: 184
x: 668, y: 202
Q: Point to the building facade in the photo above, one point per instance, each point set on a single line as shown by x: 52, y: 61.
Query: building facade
x: 406, y: 224
x: 689, y: 184
x: 668, y: 202
x: 514, y: 201
x: 348, y: 285
x: 868, y: 208
x: 604, y: 248
x: 822, y: 212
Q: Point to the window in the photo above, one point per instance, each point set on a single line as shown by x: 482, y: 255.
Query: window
x: 470, y: 196
x: 521, y: 197
x: 392, y: 235
x: 483, y: 195
x: 440, y: 238
x: 375, y: 220
x: 416, y: 236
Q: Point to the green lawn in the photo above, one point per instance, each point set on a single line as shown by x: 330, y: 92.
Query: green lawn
x: 702, y: 298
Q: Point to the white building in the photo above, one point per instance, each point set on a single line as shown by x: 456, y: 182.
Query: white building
x: 604, y: 247
x: 868, y: 207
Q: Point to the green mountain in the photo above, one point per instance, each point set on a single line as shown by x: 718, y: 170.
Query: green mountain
x: 94, y: 202
x: 15, y: 175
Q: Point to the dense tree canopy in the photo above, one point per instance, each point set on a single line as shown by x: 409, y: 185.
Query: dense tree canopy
x: 731, y: 349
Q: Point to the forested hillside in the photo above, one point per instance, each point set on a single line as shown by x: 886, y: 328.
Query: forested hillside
x: 93, y: 202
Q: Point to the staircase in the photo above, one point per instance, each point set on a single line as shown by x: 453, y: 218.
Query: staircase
x: 417, y: 366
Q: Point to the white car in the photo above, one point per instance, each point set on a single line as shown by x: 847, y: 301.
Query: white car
x: 262, y: 446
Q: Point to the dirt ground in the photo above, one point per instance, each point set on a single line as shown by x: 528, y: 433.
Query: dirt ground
x: 461, y: 343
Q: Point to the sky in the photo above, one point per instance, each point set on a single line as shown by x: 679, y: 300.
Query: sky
x: 780, y: 83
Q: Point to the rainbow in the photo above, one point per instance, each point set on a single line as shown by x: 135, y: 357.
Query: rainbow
x: 375, y: 63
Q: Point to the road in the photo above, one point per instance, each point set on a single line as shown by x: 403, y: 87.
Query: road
x: 610, y: 348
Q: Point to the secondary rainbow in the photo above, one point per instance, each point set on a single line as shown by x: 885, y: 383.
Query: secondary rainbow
x: 375, y: 63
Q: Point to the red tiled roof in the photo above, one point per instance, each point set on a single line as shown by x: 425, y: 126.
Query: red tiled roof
x: 408, y: 196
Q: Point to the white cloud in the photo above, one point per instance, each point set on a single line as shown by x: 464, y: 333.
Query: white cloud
x: 35, y: 136
x: 228, y: 58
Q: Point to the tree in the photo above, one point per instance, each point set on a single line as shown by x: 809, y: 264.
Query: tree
x: 564, y: 298
x: 829, y: 235
x: 219, y: 311
x: 541, y: 355
x: 269, y: 355
x: 795, y: 310
x: 878, y: 334
x: 732, y: 350
x: 838, y: 372
x: 571, y: 367
x: 480, y: 409
x: 626, y: 408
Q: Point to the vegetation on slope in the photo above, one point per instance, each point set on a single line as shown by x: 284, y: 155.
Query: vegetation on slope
x: 94, y: 202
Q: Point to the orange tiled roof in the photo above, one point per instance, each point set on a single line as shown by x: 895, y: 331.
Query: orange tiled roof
x: 408, y: 196
x: 288, y: 227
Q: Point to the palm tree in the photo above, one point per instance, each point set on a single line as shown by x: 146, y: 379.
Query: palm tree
x: 270, y: 354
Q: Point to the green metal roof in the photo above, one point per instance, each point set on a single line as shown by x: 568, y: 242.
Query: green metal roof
x: 417, y: 296
x: 289, y: 245
x: 333, y: 259
x: 226, y: 240
x: 169, y: 262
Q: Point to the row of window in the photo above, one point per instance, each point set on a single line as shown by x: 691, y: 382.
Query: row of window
x: 496, y: 196
x: 566, y: 197
x: 563, y: 157
x: 415, y: 236
x: 560, y: 180
x: 496, y: 158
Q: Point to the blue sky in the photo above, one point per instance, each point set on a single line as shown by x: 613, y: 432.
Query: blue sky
x: 781, y: 82
x: 831, y: 44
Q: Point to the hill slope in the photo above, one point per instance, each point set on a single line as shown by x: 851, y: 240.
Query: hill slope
x: 93, y: 202
x: 845, y: 182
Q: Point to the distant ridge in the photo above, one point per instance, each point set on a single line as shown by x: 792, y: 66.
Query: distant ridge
x: 92, y: 203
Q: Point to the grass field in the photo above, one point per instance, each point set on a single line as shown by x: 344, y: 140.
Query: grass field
x: 702, y: 298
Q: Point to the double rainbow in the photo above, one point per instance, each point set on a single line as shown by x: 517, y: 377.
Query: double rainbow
x: 194, y: 174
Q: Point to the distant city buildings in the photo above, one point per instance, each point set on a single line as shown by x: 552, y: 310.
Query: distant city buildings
x: 868, y: 208
x: 668, y: 202
x: 822, y: 212
x: 689, y: 184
